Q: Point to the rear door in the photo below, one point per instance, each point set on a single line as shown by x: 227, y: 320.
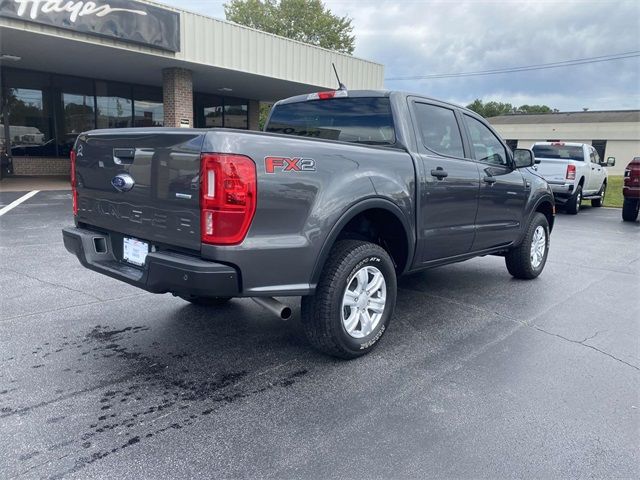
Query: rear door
x: 141, y: 184
x: 449, y: 182
x: 503, y: 190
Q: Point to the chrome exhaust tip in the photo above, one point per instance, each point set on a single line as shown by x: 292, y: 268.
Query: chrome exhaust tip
x: 274, y: 306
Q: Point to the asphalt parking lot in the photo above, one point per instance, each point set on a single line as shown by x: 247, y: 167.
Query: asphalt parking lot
x: 479, y: 376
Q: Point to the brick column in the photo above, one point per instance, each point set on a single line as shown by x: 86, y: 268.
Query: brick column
x: 254, y: 115
x: 177, y: 92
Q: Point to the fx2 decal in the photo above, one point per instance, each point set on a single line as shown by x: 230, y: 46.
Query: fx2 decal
x: 284, y: 164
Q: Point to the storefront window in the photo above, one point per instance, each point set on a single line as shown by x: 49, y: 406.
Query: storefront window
x: 236, y: 113
x: 115, y: 107
x: 148, y: 107
x: 77, y: 113
x: 209, y: 111
x: 29, y: 115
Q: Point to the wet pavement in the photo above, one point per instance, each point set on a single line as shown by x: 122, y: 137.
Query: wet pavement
x: 479, y: 375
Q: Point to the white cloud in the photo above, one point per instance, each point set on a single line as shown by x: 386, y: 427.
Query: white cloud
x: 420, y: 37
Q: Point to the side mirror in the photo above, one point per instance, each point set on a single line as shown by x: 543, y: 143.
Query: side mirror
x: 523, y: 158
x: 611, y: 162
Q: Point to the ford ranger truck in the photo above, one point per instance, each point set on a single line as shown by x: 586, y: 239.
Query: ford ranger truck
x: 343, y: 192
x: 574, y: 171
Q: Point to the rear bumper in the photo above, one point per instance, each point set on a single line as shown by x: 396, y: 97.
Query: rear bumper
x: 163, y: 271
x: 631, y: 192
x: 561, y: 191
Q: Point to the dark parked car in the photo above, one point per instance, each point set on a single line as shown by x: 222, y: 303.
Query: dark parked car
x: 631, y: 191
x: 344, y: 191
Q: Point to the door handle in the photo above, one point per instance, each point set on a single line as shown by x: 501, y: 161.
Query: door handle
x: 439, y: 173
x: 489, y: 179
x: 124, y: 156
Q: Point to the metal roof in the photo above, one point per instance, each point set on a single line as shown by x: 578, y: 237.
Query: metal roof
x: 604, y: 116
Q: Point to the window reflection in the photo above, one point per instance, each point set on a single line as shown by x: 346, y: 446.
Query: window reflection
x: 236, y: 113
x: 29, y: 123
x: 115, y: 107
x: 148, y: 107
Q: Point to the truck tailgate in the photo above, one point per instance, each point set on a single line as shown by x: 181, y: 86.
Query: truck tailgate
x: 553, y: 170
x: 163, y: 205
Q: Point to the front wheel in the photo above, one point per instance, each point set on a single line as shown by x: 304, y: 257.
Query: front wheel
x: 630, y: 209
x: 354, y: 300
x: 527, y: 260
x: 574, y: 203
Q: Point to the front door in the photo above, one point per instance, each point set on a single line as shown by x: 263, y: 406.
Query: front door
x: 449, y: 183
x: 503, y: 190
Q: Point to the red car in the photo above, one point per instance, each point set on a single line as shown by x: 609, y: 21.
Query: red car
x: 631, y: 191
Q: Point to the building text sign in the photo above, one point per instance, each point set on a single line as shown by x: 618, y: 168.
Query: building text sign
x: 125, y: 20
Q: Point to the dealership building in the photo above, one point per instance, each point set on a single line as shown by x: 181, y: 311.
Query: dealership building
x: 613, y: 133
x: 70, y: 66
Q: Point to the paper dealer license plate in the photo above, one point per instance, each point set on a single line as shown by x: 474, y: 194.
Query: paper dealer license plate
x: 135, y: 251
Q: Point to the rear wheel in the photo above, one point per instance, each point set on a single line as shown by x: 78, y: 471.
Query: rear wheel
x: 354, y: 300
x: 630, y: 209
x: 598, y: 202
x: 206, y: 301
x: 573, y: 205
x: 527, y: 260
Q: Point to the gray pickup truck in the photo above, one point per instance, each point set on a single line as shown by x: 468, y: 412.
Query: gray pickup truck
x: 342, y: 193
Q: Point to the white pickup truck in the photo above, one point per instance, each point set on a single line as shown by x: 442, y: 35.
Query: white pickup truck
x: 574, y: 171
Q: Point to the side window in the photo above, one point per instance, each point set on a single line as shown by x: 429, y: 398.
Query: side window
x: 486, y: 146
x: 592, y: 156
x: 596, y: 157
x: 439, y: 130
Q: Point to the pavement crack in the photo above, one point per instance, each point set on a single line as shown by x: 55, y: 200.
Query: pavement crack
x: 582, y: 342
x: 530, y: 324
x: 54, y: 284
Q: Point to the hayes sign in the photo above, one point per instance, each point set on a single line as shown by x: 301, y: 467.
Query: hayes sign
x: 122, y: 19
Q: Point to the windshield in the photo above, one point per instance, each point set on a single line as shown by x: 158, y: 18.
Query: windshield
x: 561, y: 152
x: 356, y: 120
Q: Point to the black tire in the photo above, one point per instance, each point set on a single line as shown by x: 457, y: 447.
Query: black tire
x: 574, y: 203
x: 206, y: 301
x: 322, y: 312
x: 518, y: 259
x: 598, y: 202
x: 630, y: 209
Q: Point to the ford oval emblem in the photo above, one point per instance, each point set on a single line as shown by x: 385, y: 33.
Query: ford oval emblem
x: 123, y: 182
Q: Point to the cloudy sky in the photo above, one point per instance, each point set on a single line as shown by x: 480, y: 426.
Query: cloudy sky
x: 422, y: 37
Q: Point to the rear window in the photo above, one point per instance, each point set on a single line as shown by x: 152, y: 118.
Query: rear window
x: 357, y: 120
x: 562, y: 152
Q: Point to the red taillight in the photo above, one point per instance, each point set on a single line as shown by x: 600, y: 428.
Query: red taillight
x: 74, y: 190
x: 227, y: 197
x: 571, y: 172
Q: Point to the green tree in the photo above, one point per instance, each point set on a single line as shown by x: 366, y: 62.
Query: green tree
x: 495, y: 109
x: 534, y: 109
x: 490, y: 109
x: 307, y: 21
